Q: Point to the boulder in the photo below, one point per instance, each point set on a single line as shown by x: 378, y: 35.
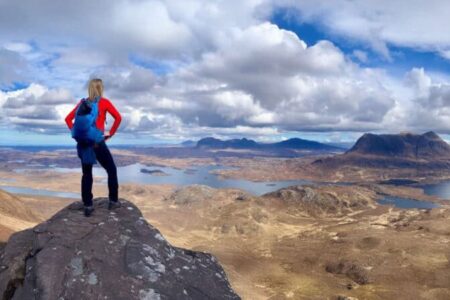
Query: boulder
x: 351, y: 269
x: 110, y: 255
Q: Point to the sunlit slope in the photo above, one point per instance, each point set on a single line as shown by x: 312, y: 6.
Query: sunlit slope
x: 14, y: 215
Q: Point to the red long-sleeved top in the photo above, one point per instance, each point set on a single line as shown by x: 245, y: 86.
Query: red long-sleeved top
x: 104, y: 105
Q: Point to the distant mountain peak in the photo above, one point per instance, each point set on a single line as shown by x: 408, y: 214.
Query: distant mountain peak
x: 427, y: 145
x: 245, y: 143
x: 211, y: 142
x: 188, y: 143
x: 432, y: 134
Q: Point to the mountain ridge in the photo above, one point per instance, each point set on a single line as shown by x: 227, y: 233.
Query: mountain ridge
x: 244, y: 143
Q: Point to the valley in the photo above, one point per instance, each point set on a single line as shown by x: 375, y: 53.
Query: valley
x: 322, y: 234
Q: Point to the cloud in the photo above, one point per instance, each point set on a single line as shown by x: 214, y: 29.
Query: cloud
x: 9, y: 75
x: 275, y: 79
x: 33, y: 108
x: 360, y: 55
x: 425, y: 106
x: 17, y: 47
x: 152, y: 28
x: 378, y: 24
x: 218, y: 67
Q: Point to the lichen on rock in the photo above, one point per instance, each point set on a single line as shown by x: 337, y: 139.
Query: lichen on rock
x: 111, y: 255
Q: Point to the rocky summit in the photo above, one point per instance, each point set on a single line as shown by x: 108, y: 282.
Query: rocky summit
x: 428, y: 145
x: 110, y: 255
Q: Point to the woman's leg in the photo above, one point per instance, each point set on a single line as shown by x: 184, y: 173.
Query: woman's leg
x: 106, y: 160
x: 86, y: 184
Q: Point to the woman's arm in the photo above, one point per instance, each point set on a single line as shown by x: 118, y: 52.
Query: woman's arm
x: 116, y: 115
x: 71, y: 116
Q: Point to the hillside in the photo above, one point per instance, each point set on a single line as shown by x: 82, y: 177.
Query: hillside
x: 14, y: 215
x: 307, y: 242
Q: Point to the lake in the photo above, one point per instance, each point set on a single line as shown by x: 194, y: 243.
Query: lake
x: 406, y: 203
x: 38, y: 192
x: 441, y: 189
x: 198, y: 174
x: 203, y: 174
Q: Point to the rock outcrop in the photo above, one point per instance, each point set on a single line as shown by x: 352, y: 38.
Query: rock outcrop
x: 111, y: 255
x: 195, y: 193
x: 323, y: 200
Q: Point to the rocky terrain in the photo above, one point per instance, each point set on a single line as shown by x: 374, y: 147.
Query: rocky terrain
x: 306, y: 242
x: 301, y: 242
x: 112, y: 255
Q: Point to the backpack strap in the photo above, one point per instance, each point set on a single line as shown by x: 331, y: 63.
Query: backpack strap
x: 95, y: 110
x: 79, y: 105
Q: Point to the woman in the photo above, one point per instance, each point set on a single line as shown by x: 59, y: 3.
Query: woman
x: 102, y: 153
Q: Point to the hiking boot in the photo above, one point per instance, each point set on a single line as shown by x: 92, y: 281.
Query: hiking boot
x: 114, y: 204
x: 88, y: 211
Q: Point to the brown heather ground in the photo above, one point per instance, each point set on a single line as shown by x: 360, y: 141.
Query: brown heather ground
x: 300, y: 243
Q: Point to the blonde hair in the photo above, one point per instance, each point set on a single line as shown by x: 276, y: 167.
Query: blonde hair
x: 95, y: 88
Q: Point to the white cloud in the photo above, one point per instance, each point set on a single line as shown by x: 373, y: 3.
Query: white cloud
x: 275, y: 78
x: 219, y: 67
x: 9, y: 75
x: 445, y: 53
x: 407, y: 23
x: 17, y: 47
x: 34, y: 108
x: 360, y: 55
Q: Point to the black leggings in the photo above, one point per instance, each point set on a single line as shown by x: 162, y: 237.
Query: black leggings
x: 106, y: 160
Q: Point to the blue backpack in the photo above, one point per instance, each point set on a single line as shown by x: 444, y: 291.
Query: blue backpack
x: 84, y: 127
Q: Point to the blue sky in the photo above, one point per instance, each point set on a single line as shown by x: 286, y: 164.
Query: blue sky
x: 266, y: 70
x: 403, y: 60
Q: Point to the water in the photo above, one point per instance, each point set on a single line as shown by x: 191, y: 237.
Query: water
x: 406, y: 203
x: 7, y: 180
x: 202, y: 174
x: 441, y: 189
x: 38, y: 192
x: 199, y: 174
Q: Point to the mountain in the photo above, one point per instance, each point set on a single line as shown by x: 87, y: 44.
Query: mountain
x: 214, y: 143
x: 293, y: 143
x: 388, y: 156
x: 427, y: 145
x: 111, y: 255
x: 189, y: 143
x: 297, y: 143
